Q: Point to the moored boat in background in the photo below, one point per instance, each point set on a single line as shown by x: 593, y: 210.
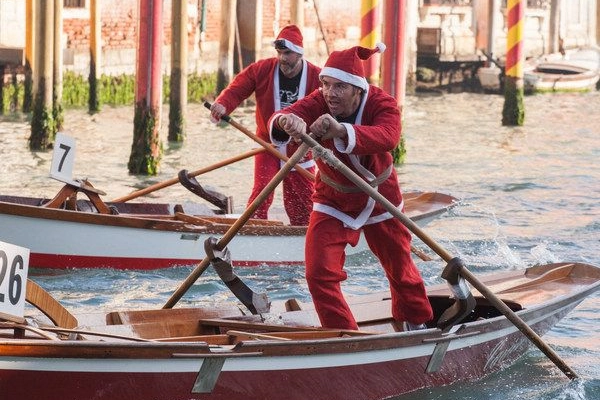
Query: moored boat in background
x: 153, y: 235
x: 577, y: 70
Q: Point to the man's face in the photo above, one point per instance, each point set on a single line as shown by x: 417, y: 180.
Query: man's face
x: 290, y: 62
x: 341, y: 97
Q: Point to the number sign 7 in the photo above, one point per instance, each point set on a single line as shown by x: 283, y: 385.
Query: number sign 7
x: 63, y: 158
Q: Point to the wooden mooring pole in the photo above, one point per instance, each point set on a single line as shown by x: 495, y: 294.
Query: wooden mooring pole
x: 146, y: 149
x: 29, y: 56
x: 226, y: 44
x: 42, y: 121
x: 179, y: 80
x: 95, y: 56
x: 57, y: 69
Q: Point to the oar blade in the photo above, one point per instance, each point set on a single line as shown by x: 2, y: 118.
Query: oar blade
x: 257, y: 303
x: 464, y: 302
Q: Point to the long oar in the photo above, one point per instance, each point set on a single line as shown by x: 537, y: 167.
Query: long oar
x: 200, y: 171
x: 235, y: 227
x: 269, y: 147
x: 320, y: 151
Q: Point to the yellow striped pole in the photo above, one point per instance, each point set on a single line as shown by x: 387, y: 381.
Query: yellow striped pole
x: 513, y: 112
x: 370, y: 35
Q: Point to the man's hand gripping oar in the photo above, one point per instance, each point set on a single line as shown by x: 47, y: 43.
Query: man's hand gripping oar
x: 267, y: 146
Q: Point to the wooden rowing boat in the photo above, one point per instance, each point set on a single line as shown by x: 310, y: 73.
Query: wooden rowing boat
x: 218, y: 352
x: 68, y: 233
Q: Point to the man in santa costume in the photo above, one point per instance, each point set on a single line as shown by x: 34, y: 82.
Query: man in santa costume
x: 360, y: 124
x: 276, y: 82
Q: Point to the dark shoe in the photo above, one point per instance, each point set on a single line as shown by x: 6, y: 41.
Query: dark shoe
x: 407, y: 326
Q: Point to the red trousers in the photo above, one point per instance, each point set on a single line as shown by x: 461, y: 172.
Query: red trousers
x: 389, y: 240
x: 297, y: 190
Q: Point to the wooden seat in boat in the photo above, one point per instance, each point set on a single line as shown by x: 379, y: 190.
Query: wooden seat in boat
x: 183, y: 314
x: 67, y: 196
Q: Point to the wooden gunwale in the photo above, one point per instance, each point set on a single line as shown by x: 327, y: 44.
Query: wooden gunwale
x: 207, y: 224
x: 139, y: 221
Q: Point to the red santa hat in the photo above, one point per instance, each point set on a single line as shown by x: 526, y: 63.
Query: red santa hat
x: 290, y: 37
x: 347, y: 65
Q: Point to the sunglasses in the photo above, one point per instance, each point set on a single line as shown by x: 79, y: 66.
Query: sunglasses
x: 280, y: 44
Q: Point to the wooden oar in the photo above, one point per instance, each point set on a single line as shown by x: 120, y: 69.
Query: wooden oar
x: 237, y: 225
x: 269, y: 147
x: 320, y: 151
x: 420, y: 253
x: 200, y: 171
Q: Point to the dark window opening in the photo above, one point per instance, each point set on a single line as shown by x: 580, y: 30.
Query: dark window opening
x: 74, y: 3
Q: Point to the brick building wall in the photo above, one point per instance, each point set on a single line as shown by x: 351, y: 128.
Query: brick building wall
x: 338, y: 27
x: 340, y: 20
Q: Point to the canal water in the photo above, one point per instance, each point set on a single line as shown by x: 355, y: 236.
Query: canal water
x: 528, y: 195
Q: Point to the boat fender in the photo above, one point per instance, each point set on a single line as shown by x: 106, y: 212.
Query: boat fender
x: 464, y: 300
x: 257, y: 303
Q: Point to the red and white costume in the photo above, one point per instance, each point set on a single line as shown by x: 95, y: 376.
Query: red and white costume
x: 262, y: 79
x: 339, y: 216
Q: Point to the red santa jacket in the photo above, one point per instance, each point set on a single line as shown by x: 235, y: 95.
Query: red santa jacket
x: 366, y: 150
x: 262, y: 79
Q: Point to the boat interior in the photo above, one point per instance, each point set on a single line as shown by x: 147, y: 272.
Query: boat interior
x: 189, y: 216
x: 196, y: 213
x: 228, y: 324
x: 223, y: 325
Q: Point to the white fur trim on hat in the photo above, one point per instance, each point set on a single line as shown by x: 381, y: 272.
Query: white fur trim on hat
x: 291, y: 46
x: 344, y: 76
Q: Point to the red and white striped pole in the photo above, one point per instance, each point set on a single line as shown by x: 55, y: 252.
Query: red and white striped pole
x: 370, y: 28
x: 513, y: 112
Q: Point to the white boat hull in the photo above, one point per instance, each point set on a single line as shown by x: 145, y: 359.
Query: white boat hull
x: 73, y: 239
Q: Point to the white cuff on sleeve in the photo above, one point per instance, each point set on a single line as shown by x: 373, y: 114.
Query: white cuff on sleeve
x: 340, y: 144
